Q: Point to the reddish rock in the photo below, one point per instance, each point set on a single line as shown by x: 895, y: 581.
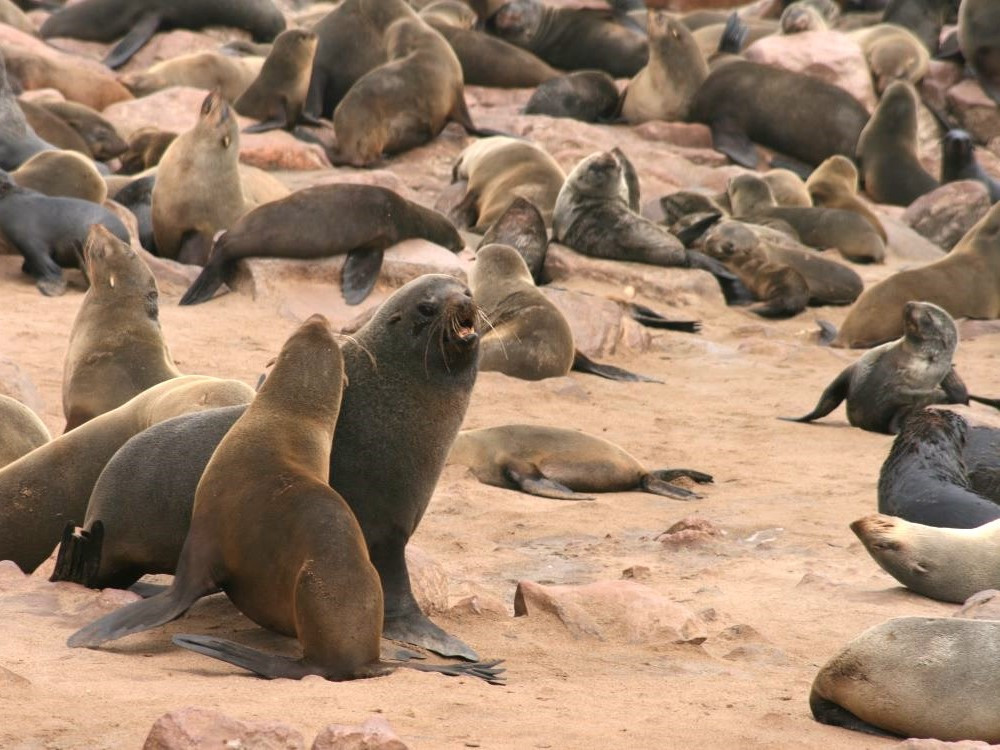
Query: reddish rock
x: 14, y: 382
x: 828, y: 55
x: 375, y: 734
x: 621, y: 611
x: 984, y: 605
x: 690, y: 531
x: 71, y: 76
x: 42, y: 95
x: 905, y: 243
x: 941, y: 76
x: 195, y: 728
x: 925, y: 744
x: 688, y: 135
x: 975, y: 110
x: 944, y: 215
x: 428, y: 581
x: 599, y: 327
x: 480, y: 605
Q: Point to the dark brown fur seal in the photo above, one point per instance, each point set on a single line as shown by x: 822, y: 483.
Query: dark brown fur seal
x: 146, y: 147
x: 53, y: 129
x: 116, y: 348
x: 137, y: 20
x: 521, y: 227
x: 103, y: 141
x: 889, y: 382
x: 958, y: 162
x: 979, y: 40
x: 560, y: 464
x: 359, y: 221
x: 277, y: 97
x: 887, y: 150
x: 923, y: 17
x: 21, y: 431
x: 586, y: 95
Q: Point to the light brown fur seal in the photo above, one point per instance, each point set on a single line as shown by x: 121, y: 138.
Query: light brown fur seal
x: 893, y: 53
x: 277, y: 97
x: 834, y: 184
x: 21, y: 431
x: 211, y: 71
x: 65, y: 174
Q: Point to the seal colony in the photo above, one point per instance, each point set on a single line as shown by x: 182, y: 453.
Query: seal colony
x: 298, y: 499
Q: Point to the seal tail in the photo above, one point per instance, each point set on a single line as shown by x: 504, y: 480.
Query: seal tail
x: 583, y: 363
x: 271, y: 666
x: 79, y: 555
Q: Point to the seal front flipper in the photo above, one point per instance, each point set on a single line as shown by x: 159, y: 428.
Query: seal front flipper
x: 830, y: 399
x: 142, y: 31
x: 954, y: 388
x: 730, y: 139
x: 734, y: 290
x: 359, y: 274
x: 79, y: 556
x: 531, y: 481
x: 415, y: 628
x: 583, y: 363
x: 827, y: 712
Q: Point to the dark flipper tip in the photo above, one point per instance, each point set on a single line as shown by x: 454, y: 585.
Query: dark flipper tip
x: 359, y: 274
x: 583, y: 363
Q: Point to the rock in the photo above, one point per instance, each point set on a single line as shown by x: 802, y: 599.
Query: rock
x: 195, y: 728
x: 687, y: 135
x: 636, y: 573
x: 428, y: 581
x: 681, y: 286
x: 944, y: 215
x: 480, y: 604
x: 940, y: 77
x: 690, y: 531
x: 14, y: 382
x: 374, y: 734
x: 830, y: 56
x: 621, y: 611
x: 12, y: 681
x: 925, y: 744
x: 42, y: 95
x: 599, y: 327
x: 908, y: 245
x: 975, y: 110
x: 984, y: 605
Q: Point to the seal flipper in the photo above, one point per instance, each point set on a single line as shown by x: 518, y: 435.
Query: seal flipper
x: 208, y: 282
x: 531, y: 481
x: 484, y: 670
x: 656, y: 486
x: 954, y: 388
x: 827, y: 712
x: 79, y: 556
x: 264, y: 126
x: 583, y: 363
x: 359, y: 274
x: 734, y: 35
x: 994, y: 402
x: 271, y: 666
x: 830, y: 398
x: 668, y: 475
x: 648, y: 317
x: 730, y: 139
x: 142, y: 31
x: 692, y: 232
x: 733, y: 289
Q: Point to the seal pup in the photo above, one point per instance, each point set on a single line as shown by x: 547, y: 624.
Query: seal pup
x: 798, y: 115
x: 946, y: 564
x: 560, y: 464
x: 135, y: 21
x: 925, y: 478
x: 887, y: 150
x: 52, y: 129
x: 198, y: 190
x: 499, y: 169
x: 322, y: 589
x: 62, y: 174
x: 664, y: 89
x: 359, y: 221
x: 892, y: 380
x: 103, y: 141
x: 208, y: 70
x: 522, y: 227
x: 787, y: 188
x: 146, y: 147
x: 585, y: 95
x: 21, y: 431
x: 594, y: 203
x: 965, y: 282
x: 834, y: 184
x: 44, y: 489
x: 18, y: 142
x: 277, y: 97
x: 979, y: 40
x: 116, y: 348
x: 958, y: 162
x: 914, y: 677
x: 893, y: 53
x: 800, y: 17
x: 50, y: 232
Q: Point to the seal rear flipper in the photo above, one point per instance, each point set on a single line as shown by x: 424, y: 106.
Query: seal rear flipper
x: 954, y: 388
x: 583, y: 363
x: 734, y: 35
x: 195, y: 248
x: 651, y: 319
x: 827, y: 712
x: 668, y: 475
x: 79, y: 556
x: 277, y: 123
x: 207, y: 284
x: 531, y: 481
x: 949, y: 49
x: 142, y: 31
x: 730, y: 139
x: 359, y: 274
x: 994, y: 402
x: 827, y: 332
x: 484, y: 670
x: 414, y: 627
x: 271, y: 666
x: 830, y: 398
x: 734, y: 290
x: 693, y: 232
x: 656, y: 486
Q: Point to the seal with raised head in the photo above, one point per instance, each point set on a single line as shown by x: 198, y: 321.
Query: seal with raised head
x: 926, y: 479
x: 664, y: 89
x: 116, y: 348
x: 521, y: 227
x: 50, y: 486
x: 889, y: 382
x: 915, y: 677
x: 277, y: 97
x: 21, y: 431
x: 283, y: 545
x: 135, y: 21
x: 18, y: 142
x: 586, y: 95
x: 198, y: 190
x: 359, y: 221
x: 958, y: 162
x: 560, y: 464
x: 979, y: 40
x: 207, y: 70
x: 62, y: 174
x: 947, y: 564
x: 887, y: 150
x: 834, y: 184
x: 499, y: 169
x: 965, y: 282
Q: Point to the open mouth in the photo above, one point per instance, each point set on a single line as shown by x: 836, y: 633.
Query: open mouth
x: 462, y: 329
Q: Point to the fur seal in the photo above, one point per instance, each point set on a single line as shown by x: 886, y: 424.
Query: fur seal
x: 892, y: 380
x: 38, y: 500
x: 560, y: 464
x: 887, y: 150
x: 137, y: 197
x: 521, y: 227
x: 34, y: 70
x: 966, y: 283
x: 586, y: 95
x: 359, y: 221
x: 834, y: 184
x: 21, y: 431
x: 198, y: 190
x: 62, y: 174
x: 50, y: 232
x: 922, y: 17
x: 926, y: 479
x: 322, y: 589
x: 18, y: 142
x: 798, y: 115
x: 52, y: 129
x: 979, y: 40
x: 500, y: 169
x: 135, y: 21
x: 958, y: 162
x: 103, y: 141
x: 893, y: 53
x: 146, y: 148
x: 210, y: 71
x: 571, y: 38
x: 595, y: 202
x: 116, y: 348
x: 914, y: 677
x: 799, y: 17
x: 664, y: 89
x: 787, y: 188
x: 277, y: 97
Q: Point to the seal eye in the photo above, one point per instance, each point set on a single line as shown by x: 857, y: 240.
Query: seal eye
x: 427, y: 309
